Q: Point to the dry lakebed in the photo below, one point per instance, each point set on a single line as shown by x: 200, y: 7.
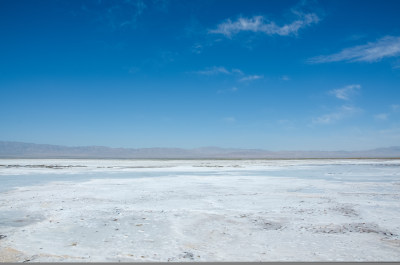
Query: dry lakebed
x: 65, y: 210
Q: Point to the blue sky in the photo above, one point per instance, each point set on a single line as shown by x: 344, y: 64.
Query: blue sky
x: 277, y: 75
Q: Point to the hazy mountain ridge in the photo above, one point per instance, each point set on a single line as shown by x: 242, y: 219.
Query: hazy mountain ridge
x: 30, y: 150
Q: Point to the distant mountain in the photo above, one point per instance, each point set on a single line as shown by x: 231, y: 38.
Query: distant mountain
x: 29, y: 150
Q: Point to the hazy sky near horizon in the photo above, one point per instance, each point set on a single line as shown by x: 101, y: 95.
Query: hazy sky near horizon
x: 278, y: 75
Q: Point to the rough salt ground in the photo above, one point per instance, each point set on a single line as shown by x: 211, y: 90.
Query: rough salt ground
x: 222, y: 215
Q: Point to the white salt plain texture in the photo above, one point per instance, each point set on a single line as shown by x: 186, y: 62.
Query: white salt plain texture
x: 199, y: 210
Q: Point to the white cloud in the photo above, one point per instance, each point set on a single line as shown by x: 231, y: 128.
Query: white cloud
x: 215, y: 70
x: 388, y: 46
x: 251, y: 77
x: 260, y: 24
x: 237, y: 71
x: 381, y: 116
x: 345, y: 92
x: 342, y: 113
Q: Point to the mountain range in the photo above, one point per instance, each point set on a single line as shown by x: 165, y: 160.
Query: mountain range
x: 30, y: 150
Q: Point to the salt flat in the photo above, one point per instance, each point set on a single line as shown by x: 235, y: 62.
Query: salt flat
x: 199, y: 210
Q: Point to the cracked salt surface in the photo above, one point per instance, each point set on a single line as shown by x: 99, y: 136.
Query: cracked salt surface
x: 199, y: 210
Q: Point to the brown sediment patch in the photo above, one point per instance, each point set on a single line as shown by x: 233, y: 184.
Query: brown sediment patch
x: 60, y: 257
x: 392, y: 242
x: 8, y: 254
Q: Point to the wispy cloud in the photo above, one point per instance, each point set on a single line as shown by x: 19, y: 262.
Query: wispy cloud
x: 160, y: 59
x: 115, y: 15
x: 343, y: 112
x: 385, y: 116
x: 228, y: 90
x: 215, y: 70
x: 395, y: 107
x: 390, y: 133
x: 346, y: 92
x: 286, y: 124
x: 237, y: 73
x: 196, y: 33
x: 381, y: 116
x: 229, y: 119
x: 197, y: 48
x: 356, y: 37
x: 261, y: 24
x: 251, y: 77
x: 285, y: 78
x: 388, y: 46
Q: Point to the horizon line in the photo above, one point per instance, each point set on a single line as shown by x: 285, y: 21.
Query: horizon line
x: 202, y: 147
